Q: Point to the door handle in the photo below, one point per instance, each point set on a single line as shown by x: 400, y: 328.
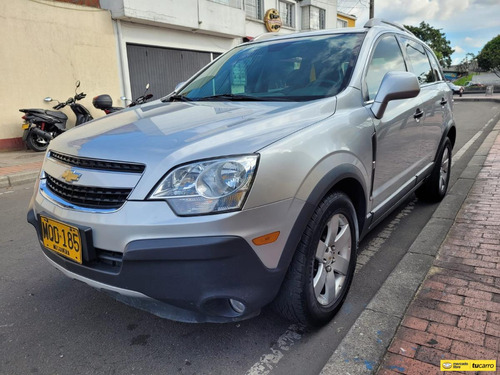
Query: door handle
x: 443, y: 101
x: 418, y: 114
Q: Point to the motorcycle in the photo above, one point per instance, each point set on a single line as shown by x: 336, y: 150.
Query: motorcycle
x: 105, y: 103
x: 41, y: 126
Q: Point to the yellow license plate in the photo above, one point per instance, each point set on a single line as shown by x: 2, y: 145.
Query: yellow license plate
x: 25, y: 126
x: 62, y: 238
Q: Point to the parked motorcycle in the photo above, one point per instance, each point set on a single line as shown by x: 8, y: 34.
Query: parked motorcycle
x: 105, y: 103
x: 41, y: 126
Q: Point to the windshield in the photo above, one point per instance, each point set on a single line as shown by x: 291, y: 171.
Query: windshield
x: 290, y: 70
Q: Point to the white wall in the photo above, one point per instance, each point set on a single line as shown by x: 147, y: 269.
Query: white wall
x: 45, y: 47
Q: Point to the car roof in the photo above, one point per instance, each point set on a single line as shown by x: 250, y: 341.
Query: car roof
x: 377, y: 24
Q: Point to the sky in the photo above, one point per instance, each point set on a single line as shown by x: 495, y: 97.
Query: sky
x: 467, y: 24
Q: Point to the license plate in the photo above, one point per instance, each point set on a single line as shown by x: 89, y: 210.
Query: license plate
x: 25, y: 126
x: 62, y: 238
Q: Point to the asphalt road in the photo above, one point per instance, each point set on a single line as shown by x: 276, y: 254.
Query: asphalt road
x: 52, y: 325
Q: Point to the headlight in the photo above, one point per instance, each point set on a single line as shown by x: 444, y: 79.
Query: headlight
x: 208, y: 186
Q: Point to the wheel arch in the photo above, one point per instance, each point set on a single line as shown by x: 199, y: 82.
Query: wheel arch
x: 349, y: 180
x: 345, y: 178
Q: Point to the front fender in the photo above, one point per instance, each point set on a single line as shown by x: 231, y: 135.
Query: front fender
x: 331, y: 171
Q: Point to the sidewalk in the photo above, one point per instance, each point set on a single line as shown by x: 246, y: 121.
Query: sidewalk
x: 19, y: 167
x: 456, y: 312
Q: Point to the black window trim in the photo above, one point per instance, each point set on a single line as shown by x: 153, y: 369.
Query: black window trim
x: 432, y: 57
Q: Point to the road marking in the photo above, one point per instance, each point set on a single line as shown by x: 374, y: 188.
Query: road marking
x: 269, y: 361
x: 466, y: 146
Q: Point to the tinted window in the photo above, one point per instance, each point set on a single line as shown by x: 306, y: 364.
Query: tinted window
x: 387, y: 57
x: 419, y: 61
x: 295, y: 69
x: 435, y: 66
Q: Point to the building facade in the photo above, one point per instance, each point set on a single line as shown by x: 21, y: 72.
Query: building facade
x: 346, y: 20
x: 164, y: 42
x: 133, y: 42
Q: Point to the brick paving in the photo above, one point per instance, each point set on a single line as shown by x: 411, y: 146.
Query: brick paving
x: 5, y: 171
x: 456, y: 312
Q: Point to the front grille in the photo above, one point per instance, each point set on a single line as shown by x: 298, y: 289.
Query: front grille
x: 88, y: 196
x: 105, y: 165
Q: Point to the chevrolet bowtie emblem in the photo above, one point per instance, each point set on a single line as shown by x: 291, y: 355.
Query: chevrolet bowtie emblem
x: 71, y: 176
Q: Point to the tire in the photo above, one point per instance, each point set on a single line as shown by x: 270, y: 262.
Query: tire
x: 436, y: 186
x: 36, y: 143
x: 321, y: 271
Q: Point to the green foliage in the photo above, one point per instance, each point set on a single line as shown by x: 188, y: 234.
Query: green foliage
x: 434, y: 39
x: 462, y: 81
x: 489, y: 57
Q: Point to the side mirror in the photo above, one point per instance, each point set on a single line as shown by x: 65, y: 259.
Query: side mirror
x: 77, y: 84
x: 147, y: 87
x: 178, y: 86
x: 48, y: 99
x: 394, y: 86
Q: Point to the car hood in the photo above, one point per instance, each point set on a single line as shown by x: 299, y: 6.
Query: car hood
x: 190, y: 131
x: 163, y: 135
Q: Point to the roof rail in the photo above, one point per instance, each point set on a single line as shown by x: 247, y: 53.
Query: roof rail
x: 380, y: 22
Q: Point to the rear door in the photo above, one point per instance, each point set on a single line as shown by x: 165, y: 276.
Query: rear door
x: 433, y: 101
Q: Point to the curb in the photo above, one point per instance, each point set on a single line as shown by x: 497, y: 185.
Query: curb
x: 18, y: 179
x: 379, y: 322
x: 476, y: 99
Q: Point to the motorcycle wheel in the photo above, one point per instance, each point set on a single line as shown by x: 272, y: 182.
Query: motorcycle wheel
x: 36, y: 143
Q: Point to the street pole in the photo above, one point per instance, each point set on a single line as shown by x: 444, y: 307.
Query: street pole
x: 372, y: 9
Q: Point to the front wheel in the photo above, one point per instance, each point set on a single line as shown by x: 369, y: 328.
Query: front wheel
x: 322, y: 268
x: 35, y: 142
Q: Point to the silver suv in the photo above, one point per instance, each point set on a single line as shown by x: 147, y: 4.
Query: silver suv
x: 254, y: 181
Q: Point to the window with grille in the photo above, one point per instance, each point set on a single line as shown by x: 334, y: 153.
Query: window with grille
x: 232, y: 3
x: 322, y: 19
x: 253, y: 8
x: 313, y: 18
x: 287, y: 13
x: 341, y: 23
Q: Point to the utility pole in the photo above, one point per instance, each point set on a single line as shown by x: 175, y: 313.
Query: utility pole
x: 372, y: 9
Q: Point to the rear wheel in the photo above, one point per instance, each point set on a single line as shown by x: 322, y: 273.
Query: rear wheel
x: 322, y: 268
x: 436, y: 186
x: 36, y: 143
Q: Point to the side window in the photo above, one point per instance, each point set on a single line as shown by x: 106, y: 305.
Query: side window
x: 387, y: 57
x: 419, y: 61
x: 438, y: 74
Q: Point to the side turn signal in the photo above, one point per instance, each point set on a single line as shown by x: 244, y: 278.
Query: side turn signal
x: 266, y: 239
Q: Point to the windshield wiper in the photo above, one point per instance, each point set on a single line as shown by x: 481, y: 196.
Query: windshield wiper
x: 180, y: 98
x: 231, y: 97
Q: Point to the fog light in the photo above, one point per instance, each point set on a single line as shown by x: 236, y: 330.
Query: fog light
x: 237, y: 306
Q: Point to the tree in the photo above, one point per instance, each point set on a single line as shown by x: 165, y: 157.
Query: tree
x: 489, y: 57
x: 434, y: 39
x: 469, y: 62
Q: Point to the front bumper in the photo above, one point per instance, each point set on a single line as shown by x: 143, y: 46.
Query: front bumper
x: 191, y: 276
